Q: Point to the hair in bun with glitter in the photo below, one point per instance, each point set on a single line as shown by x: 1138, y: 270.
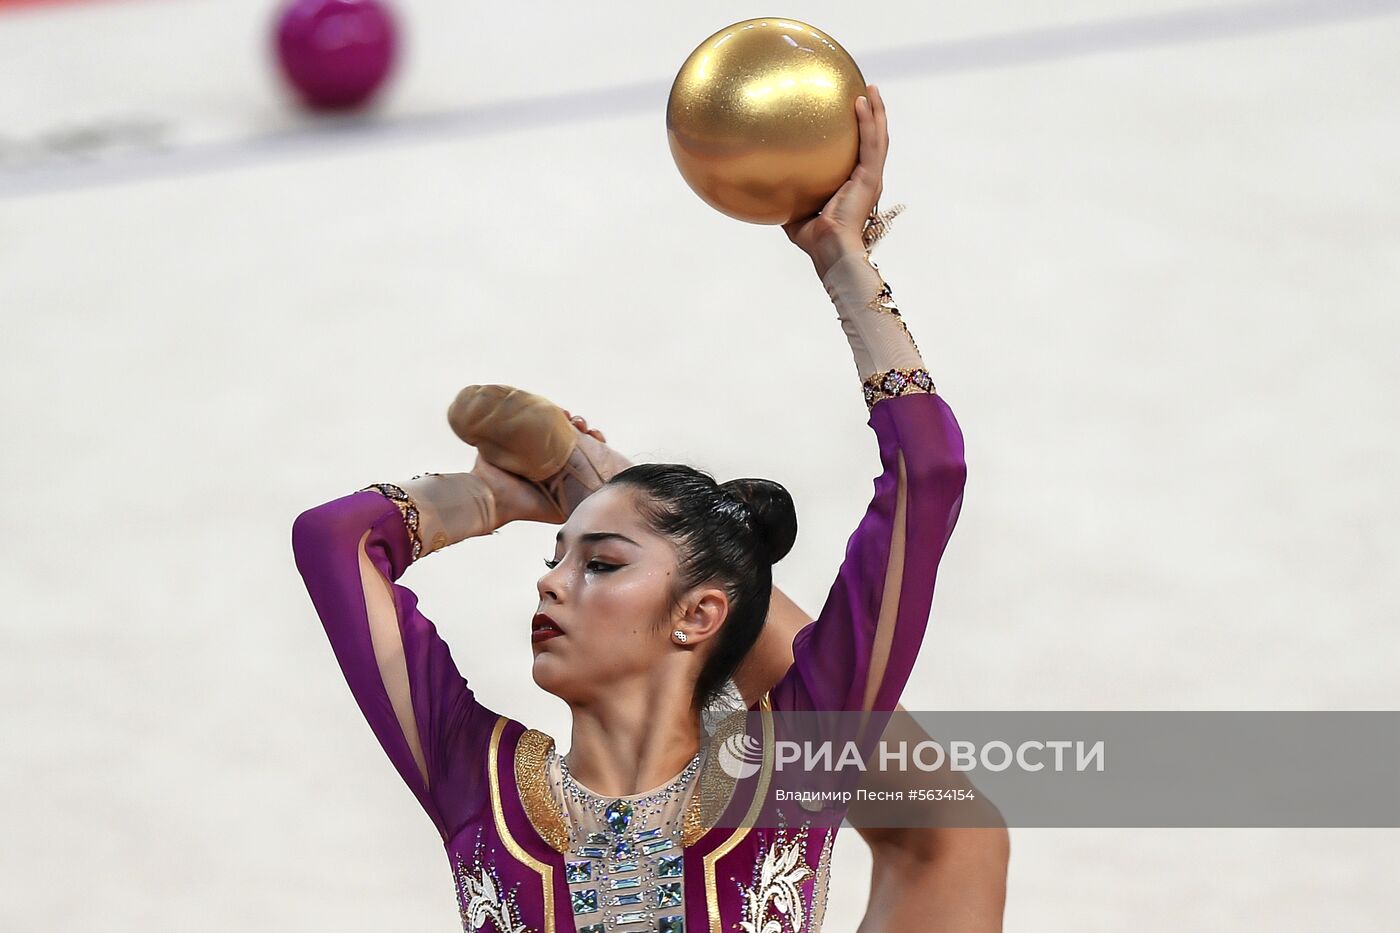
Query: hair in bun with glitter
x: 773, y: 513
x: 728, y: 533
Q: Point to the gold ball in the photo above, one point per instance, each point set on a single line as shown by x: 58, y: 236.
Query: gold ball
x: 762, y: 122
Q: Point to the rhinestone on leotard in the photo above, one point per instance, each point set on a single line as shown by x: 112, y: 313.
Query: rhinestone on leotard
x: 634, y: 877
x: 618, y: 815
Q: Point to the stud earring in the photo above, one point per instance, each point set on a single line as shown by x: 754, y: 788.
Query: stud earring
x: 680, y: 636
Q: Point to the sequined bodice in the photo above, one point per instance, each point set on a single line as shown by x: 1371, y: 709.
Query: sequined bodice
x: 624, y: 864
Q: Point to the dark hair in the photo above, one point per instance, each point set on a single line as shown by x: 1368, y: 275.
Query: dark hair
x: 730, y: 533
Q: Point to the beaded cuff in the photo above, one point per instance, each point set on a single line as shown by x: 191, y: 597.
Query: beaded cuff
x: 407, y: 507
x: 892, y: 383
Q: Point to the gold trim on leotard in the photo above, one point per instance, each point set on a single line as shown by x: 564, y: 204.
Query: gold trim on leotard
x: 712, y: 858
x: 544, y: 870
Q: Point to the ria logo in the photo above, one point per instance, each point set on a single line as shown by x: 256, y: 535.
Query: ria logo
x: 740, y: 755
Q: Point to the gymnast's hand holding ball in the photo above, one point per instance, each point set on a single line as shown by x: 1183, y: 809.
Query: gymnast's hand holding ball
x: 838, y: 227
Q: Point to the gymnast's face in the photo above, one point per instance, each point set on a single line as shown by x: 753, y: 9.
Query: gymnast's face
x: 609, y: 592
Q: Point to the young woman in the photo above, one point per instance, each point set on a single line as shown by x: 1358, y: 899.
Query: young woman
x: 659, y: 586
x: 928, y: 877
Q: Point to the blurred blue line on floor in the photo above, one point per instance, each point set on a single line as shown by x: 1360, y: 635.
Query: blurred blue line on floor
x: 1001, y: 50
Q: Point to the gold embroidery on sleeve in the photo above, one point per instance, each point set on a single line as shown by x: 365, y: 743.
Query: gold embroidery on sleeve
x: 532, y: 780
x: 715, y: 786
x: 884, y: 303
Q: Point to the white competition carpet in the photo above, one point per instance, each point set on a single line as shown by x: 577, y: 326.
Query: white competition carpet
x: 1151, y: 257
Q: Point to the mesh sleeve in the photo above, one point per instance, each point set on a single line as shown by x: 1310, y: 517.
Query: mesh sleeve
x: 350, y: 552
x: 886, y: 356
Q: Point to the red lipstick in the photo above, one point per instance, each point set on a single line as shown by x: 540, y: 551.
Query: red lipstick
x: 542, y: 628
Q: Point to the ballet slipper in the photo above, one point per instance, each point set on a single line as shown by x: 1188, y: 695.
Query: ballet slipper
x: 528, y: 435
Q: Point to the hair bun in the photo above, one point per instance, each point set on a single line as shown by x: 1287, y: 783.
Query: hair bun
x: 773, y: 510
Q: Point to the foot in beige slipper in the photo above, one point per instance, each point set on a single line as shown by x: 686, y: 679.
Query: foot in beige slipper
x: 528, y: 435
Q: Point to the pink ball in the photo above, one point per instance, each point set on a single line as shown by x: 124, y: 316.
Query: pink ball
x: 335, y: 53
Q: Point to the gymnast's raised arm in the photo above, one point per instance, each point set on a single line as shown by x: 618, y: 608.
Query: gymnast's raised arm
x: 858, y: 653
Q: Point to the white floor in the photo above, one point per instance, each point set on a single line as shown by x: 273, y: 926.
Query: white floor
x: 1152, y: 265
